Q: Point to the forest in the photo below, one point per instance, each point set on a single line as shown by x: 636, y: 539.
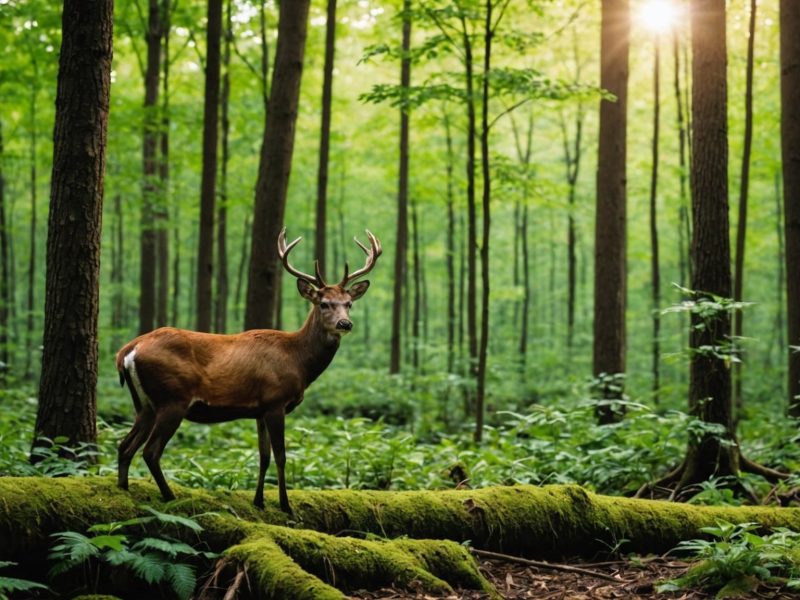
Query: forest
x: 563, y: 357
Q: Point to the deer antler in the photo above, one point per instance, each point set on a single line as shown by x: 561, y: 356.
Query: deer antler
x: 283, y: 252
x: 373, y: 252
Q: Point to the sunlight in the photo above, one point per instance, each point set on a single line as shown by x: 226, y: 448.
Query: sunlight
x: 659, y: 16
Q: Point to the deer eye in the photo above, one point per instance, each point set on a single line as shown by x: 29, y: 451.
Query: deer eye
x: 324, y: 305
x: 349, y: 305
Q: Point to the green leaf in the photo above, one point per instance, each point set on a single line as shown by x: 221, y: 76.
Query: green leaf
x: 114, y: 542
x: 182, y: 579
x: 150, y: 567
x: 169, y: 519
x: 168, y: 547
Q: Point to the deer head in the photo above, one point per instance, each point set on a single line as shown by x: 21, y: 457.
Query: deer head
x: 333, y: 302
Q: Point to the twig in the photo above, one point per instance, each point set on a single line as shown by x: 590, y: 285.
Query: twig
x: 543, y: 565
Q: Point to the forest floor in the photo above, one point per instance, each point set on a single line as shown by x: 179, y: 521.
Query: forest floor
x: 620, y: 579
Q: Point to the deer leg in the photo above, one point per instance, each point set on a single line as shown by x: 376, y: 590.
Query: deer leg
x: 275, y: 426
x: 167, y: 422
x: 263, y: 460
x: 142, y: 426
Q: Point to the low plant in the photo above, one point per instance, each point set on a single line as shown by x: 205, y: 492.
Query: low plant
x: 735, y: 561
x: 10, y: 585
x: 158, y: 560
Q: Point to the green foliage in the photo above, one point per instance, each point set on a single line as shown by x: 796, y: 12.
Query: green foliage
x: 155, y: 560
x: 735, y: 560
x: 10, y: 585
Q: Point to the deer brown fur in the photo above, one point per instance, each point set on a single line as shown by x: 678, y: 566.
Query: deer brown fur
x: 175, y: 374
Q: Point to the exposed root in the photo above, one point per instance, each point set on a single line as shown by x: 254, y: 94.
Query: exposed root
x: 662, y: 483
x: 771, y: 475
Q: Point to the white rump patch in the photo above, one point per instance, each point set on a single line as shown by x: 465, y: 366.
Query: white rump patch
x: 130, y: 366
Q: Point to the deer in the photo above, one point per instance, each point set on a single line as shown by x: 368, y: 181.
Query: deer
x: 175, y: 374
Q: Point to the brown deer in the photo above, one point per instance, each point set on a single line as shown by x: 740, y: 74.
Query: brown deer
x: 175, y: 374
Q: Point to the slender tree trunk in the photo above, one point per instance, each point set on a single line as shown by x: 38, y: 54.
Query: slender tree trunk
x: 208, y: 186
x: 34, y: 224
x: 416, y: 316
x: 263, y: 290
x: 325, y: 134
x: 5, y: 281
x: 400, y: 268
x: 67, y: 389
x: 176, y: 265
x: 117, y: 276
x: 790, y: 139
x: 451, y: 249
x: 684, y: 226
x: 709, y: 453
x: 741, y: 226
x: 221, y: 308
x: 610, y: 227
x: 655, y: 270
x: 572, y: 161
x: 162, y: 210
x: 779, y: 338
x: 147, y: 261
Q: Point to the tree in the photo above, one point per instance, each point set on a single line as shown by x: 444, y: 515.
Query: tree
x: 655, y: 268
x: 790, y: 146
x: 610, y: 226
x: 401, y: 235
x: 744, y: 185
x: 150, y: 187
x: 208, y: 185
x: 221, y: 306
x: 276, y: 161
x: 325, y: 135
x: 67, y: 389
x: 5, y: 279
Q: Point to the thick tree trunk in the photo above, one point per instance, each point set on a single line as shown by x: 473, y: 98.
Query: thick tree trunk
x: 790, y: 139
x: 263, y: 288
x: 150, y: 185
x: 610, y: 287
x: 325, y: 136
x: 67, y: 389
x: 208, y: 185
x: 401, y: 235
x: 710, y: 454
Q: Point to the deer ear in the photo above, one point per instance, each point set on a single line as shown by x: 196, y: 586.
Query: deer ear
x: 358, y: 289
x: 308, y: 291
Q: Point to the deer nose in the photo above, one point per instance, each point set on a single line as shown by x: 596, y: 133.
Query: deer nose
x: 344, y: 325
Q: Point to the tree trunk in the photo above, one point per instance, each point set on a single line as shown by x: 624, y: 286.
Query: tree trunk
x: 117, y: 276
x: 610, y: 287
x: 263, y: 288
x: 401, y: 236
x: 790, y: 140
x: 208, y: 185
x: 162, y: 210
x: 325, y: 135
x: 710, y: 453
x: 5, y: 280
x: 417, y: 301
x: 684, y: 226
x: 221, y: 307
x: 67, y: 389
x: 572, y: 161
x: 147, y: 262
x: 741, y: 226
x: 30, y: 323
x: 450, y: 249
x: 655, y: 270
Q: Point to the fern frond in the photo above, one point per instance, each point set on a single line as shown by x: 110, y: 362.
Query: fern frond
x: 182, y: 579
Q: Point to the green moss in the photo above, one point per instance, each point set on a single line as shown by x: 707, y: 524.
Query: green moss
x: 277, y: 575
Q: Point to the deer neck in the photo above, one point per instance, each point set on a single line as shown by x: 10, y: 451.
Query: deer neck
x: 317, y: 347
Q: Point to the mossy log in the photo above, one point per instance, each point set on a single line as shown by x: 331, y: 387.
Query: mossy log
x: 413, y: 538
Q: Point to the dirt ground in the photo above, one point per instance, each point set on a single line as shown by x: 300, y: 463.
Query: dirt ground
x: 607, y: 580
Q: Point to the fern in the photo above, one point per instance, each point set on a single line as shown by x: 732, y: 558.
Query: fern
x: 9, y: 585
x: 168, y: 547
x: 168, y: 519
x: 182, y: 579
x: 150, y: 567
x: 74, y: 549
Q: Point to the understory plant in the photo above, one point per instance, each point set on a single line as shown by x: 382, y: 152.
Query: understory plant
x: 11, y: 585
x: 162, y: 559
x: 736, y: 560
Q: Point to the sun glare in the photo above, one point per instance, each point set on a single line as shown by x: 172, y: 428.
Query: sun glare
x: 659, y: 16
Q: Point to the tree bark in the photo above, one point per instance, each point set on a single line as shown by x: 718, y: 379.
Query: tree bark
x: 162, y: 208
x: 710, y: 454
x: 221, y: 306
x: 5, y: 279
x: 34, y: 225
x: 450, y: 248
x: 67, y: 389
x: 401, y: 235
x: 150, y: 187
x: 655, y: 270
x: 790, y: 145
x: 610, y: 287
x: 741, y: 226
x: 276, y: 159
x: 208, y: 185
x: 325, y: 136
